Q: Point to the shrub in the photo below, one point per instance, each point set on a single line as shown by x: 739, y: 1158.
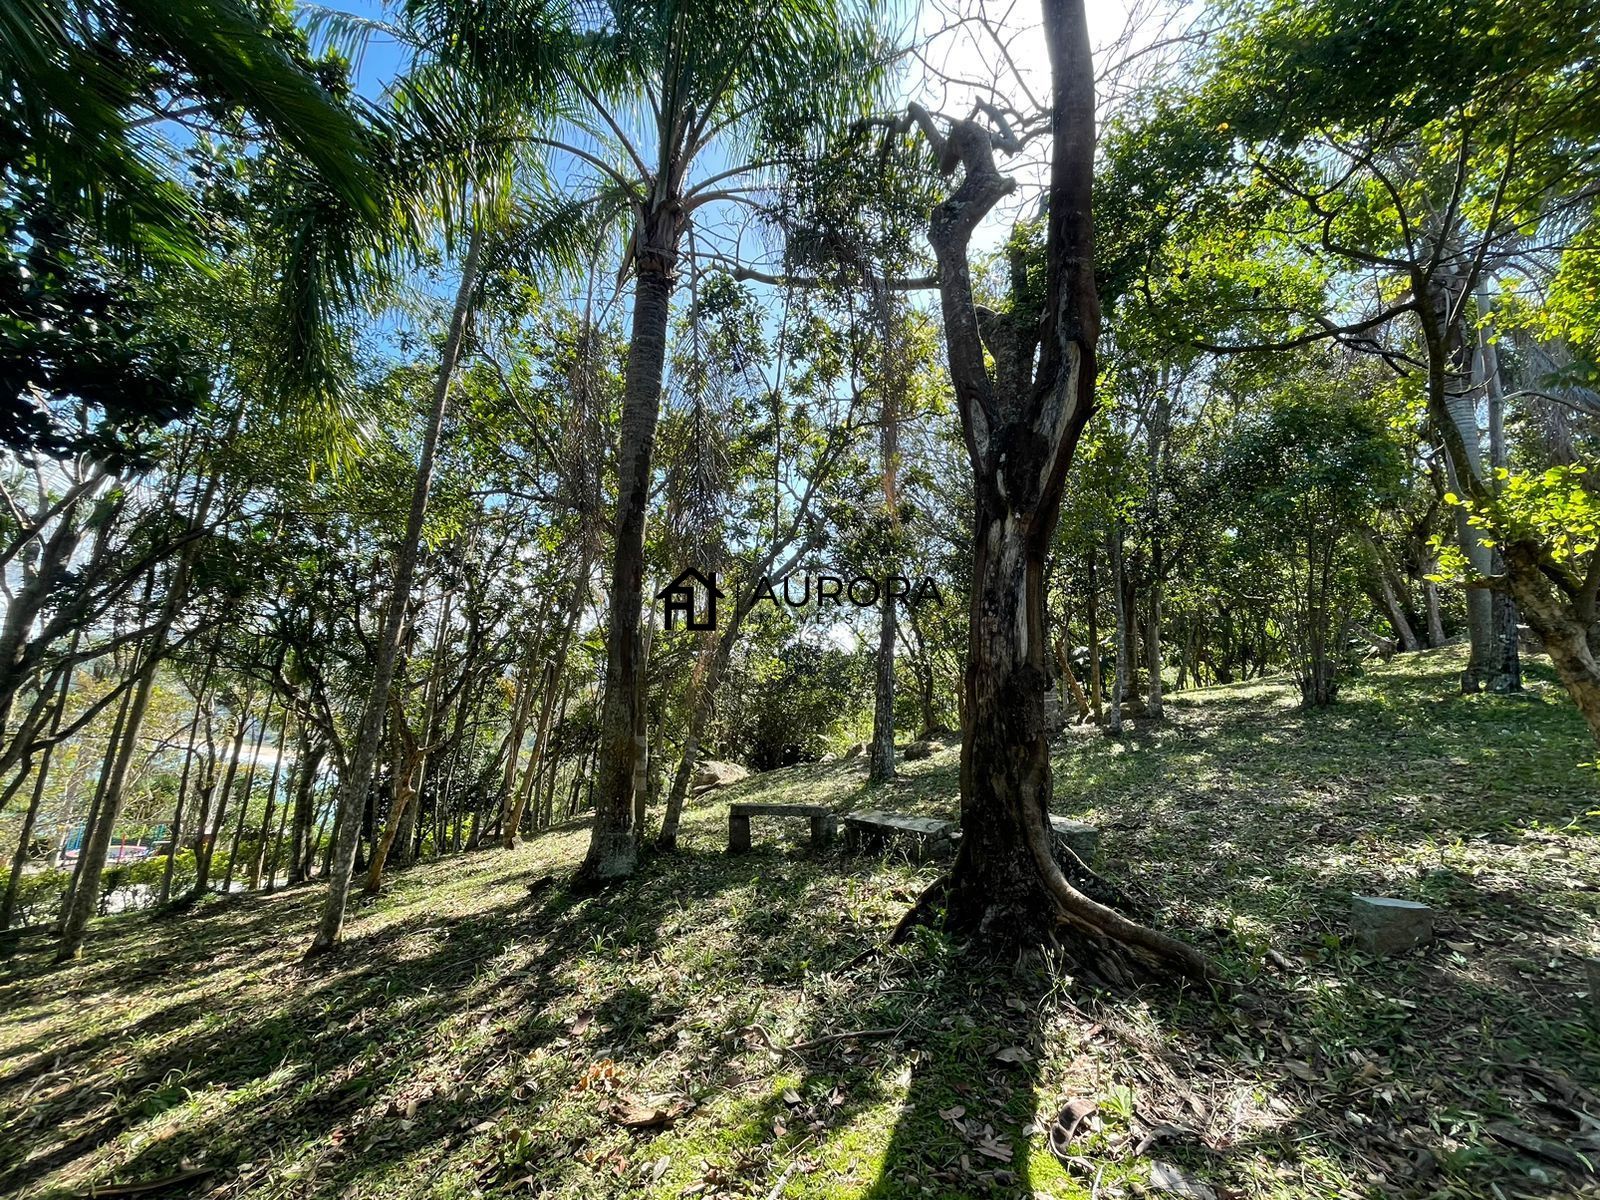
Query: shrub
x: 39, y: 896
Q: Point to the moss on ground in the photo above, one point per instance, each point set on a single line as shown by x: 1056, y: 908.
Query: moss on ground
x: 470, y: 1040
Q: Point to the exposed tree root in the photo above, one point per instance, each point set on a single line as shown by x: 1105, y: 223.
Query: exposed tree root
x: 1101, y: 921
x: 1104, y: 945
x: 921, y: 912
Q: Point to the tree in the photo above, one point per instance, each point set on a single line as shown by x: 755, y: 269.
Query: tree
x: 1438, y: 146
x: 736, y: 84
x: 1022, y: 420
x: 87, y: 78
x: 1300, y: 480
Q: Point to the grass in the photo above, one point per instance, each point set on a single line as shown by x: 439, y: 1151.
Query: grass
x: 473, y: 1040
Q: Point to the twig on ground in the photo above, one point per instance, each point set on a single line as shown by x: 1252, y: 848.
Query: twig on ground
x: 783, y: 1180
x: 853, y: 1034
x: 116, y: 1190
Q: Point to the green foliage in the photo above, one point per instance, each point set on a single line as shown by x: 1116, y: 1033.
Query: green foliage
x: 1556, y: 510
x: 39, y: 895
x: 89, y: 360
x: 789, y: 710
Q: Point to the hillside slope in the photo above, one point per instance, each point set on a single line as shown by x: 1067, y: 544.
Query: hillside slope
x: 715, y: 1027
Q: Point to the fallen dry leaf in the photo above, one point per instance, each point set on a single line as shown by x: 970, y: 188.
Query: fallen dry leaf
x: 649, y: 1112
x: 1164, y: 1177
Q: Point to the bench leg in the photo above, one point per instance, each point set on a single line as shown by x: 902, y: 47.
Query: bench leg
x: 824, y: 828
x: 738, y: 834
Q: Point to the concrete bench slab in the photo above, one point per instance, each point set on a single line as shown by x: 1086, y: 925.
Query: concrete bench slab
x: 824, y: 825
x: 932, y: 838
x: 925, y: 837
x: 1082, y: 839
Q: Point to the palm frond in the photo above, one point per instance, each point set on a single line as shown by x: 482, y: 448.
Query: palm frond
x: 233, y: 57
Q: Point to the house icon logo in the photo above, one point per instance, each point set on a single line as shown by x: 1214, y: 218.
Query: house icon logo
x: 679, y: 597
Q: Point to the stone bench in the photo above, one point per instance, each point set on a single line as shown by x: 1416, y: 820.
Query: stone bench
x: 925, y: 837
x: 823, y: 823
x: 931, y: 838
x: 1083, y: 840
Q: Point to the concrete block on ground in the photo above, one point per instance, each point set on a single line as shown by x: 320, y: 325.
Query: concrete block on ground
x: 1385, y: 925
x: 1082, y: 839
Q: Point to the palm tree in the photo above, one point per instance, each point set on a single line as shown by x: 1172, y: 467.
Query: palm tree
x: 672, y: 108
x: 83, y: 106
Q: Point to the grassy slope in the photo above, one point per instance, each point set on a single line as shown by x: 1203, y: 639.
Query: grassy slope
x: 446, y: 1051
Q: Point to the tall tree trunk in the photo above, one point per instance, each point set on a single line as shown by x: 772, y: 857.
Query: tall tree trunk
x: 97, y: 841
x: 517, y: 799
x: 521, y: 714
x: 1096, y: 684
x: 258, y: 860
x: 277, y: 837
x: 406, y: 781
x: 356, y: 783
x: 1128, y: 631
x: 1069, y: 681
x: 1152, y: 643
x: 1387, y: 595
x: 8, y: 906
x: 246, y: 792
x: 614, y: 841
x: 96, y: 805
x: 175, y: 832
x: 553, y: 683
x: 1452, y: 404
x: 92, y: 859
x: 408, y: 838
x: 641, y: 733
x: 1503, y: 608
x: 1119, y: 685
x: 1160, y: 419
x: 880, y: 759
x: 705, y: 703
x: 1021, y: 432
x: 547, y: 807
x: 302, y: 843
x: 880, y: 766
x: 706, y: 695
x: 206, y: 841
x: 19, y: 860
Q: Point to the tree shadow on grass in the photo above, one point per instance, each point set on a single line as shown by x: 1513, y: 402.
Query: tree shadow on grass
x: 272, y: 1053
